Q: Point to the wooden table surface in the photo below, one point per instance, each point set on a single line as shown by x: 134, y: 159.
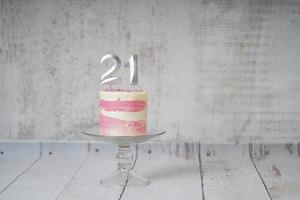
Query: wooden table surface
x: 71, y: 171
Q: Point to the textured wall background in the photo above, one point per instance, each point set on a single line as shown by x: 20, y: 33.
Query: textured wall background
x: 216, y: 71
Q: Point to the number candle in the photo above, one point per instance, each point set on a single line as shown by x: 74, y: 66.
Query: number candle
x: 133, y: 69
x: 132, y: 63
x: 107, y: 76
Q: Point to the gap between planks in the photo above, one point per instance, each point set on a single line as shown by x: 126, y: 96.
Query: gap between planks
x: 201, y: 171
x: 23, y: 172
x: 43, y: 152
x: 75, y: 173
x: 257, y: 171
x: 213, y: 171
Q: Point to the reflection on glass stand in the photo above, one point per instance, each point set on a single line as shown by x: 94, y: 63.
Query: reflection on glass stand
x: 124, y: 176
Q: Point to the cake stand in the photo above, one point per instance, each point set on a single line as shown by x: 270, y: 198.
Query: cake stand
x: 124, y: 175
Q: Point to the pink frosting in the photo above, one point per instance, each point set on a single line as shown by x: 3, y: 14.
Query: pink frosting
x: 111, y: 126
x: 126, y: 106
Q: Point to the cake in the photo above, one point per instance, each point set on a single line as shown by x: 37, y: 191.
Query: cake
x: 123, y: 112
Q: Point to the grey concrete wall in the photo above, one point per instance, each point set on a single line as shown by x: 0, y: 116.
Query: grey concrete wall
x: 216, y: 71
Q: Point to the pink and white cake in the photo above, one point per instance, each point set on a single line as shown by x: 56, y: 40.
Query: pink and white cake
x: 123, y: 112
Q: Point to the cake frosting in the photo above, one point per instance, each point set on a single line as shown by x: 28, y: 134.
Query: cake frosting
x: 123, y: 112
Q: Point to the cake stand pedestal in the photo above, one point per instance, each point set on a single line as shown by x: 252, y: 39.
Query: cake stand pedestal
x: 124, y: 175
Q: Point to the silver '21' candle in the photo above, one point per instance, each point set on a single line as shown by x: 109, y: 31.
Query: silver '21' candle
x: 108, y: 78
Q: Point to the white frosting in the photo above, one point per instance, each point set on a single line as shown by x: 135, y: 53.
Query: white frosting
x: 131, y: 116
x: 123, y: 95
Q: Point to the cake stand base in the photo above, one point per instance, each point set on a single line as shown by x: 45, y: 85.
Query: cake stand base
x: 124, y: 178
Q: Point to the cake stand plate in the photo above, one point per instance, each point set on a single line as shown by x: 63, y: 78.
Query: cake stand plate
x: 123, y: 175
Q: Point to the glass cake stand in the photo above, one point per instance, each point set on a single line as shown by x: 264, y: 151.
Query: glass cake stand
x: 124, y: 175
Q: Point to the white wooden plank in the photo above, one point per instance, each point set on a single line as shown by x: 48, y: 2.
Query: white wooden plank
x: 15, y: 159
x: 47, y: 178
x: 228, y: 173
x: 279, y: 167
x: 99, y: 164
x: 173, y: 170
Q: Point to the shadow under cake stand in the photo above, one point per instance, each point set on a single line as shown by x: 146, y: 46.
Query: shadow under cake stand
x: 123, y: 175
